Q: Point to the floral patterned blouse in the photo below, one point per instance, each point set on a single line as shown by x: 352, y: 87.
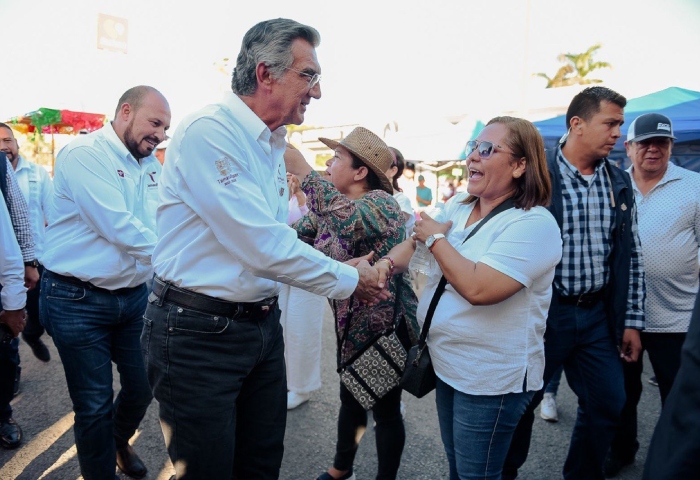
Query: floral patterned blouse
x: 344, y: 229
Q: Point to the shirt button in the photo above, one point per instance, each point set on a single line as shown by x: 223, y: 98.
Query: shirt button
x: 216, y: 318
x: 179, y: 310
x: 171, y: 329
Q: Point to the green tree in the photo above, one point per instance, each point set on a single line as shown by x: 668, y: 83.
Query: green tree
x: 575, y: 69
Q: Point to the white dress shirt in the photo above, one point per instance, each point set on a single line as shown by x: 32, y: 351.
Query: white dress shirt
x: 494, y: 349
x: 37, y: 188
x: 222, y: 220
x: 14, y: 294
x: 669, y: 228
x: 102, y: 215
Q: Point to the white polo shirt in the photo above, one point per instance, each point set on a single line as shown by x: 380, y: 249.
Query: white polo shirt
x: 222, y: 227
x: 495, y: 349
x: 36, y: 186
x: 102, y: 226
x: 14, y: 294
x: 669, y: 229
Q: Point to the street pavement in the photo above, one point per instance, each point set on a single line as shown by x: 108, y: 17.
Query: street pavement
x: 43, y: 409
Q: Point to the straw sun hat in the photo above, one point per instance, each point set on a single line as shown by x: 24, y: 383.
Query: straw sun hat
x: 370, y: 149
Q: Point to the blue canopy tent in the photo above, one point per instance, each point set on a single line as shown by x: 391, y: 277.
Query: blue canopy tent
x: 680, y: 105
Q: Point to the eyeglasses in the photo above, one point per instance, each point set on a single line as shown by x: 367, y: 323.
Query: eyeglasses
x: 314, y: 78
x: 486, y: 149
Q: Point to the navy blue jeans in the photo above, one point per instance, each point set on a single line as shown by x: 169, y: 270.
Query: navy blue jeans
x: 222, y: 389
x: 92, y: 328
x: 583, y: 343
x: 476, y: 430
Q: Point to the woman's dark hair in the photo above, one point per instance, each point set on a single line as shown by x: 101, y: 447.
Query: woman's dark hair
x: 372, y: 179
x: 400, y: 165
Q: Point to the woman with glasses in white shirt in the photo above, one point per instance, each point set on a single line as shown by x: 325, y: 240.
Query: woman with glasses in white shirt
x: 486, y: 337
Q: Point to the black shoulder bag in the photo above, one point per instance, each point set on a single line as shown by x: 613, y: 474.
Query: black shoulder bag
x: 419, y: 376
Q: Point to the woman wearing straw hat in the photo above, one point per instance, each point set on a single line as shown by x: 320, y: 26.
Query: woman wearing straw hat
x: 350, y: 216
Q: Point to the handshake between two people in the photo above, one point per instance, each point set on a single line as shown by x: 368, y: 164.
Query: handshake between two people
x: 372, y: 287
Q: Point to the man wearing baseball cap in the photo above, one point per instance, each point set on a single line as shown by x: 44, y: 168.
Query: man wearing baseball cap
x: 668, y: 202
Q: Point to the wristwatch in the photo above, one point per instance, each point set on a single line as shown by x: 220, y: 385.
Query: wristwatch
x: 32, y: 263
x: 430, y: 241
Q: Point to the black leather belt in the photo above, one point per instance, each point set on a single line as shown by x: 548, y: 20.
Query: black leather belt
x: 585, y: 300
x: 168, y: 292
x: 80, y: 283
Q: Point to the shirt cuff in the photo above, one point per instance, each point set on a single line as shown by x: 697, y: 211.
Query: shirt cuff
x: 14, y: 298
x: 634, y: 321
x: 348, y: 278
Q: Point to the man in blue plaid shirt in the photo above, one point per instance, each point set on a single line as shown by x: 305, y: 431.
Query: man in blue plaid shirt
x: 596, y: 314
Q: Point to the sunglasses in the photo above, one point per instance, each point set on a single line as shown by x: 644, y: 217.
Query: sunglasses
x: 486, y: 149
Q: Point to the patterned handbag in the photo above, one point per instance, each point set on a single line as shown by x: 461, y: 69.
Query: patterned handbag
x: 378, y: 366
x: 374, y: 371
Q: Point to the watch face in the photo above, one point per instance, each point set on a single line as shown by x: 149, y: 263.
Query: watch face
x: 429, y: 241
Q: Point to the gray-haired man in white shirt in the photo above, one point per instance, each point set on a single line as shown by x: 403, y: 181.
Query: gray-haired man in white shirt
x: 212, y: 337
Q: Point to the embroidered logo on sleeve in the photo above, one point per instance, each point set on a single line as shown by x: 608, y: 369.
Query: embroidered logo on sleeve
x: 225, y: 168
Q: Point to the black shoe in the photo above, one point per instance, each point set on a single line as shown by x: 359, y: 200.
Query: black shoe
x: 39, y: 348
x: 130, y: 463
x: 613, y: 464
x: 327, y: 476
x: 15, y: 387
x: 10, y: 434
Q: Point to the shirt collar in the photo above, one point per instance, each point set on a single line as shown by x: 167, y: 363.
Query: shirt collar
x: 570, y: 169
x: 22, y: 164
x: 117, y: 145
x: 252, y: 124
x: 673, y: 172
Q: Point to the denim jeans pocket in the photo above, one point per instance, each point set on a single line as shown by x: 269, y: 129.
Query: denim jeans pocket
x: 193, y: 323
x: 64, y: 291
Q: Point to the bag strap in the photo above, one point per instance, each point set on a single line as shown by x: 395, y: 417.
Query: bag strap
x: 505, y: 205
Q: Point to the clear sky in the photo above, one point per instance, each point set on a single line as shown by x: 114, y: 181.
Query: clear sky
x: 380, y: 58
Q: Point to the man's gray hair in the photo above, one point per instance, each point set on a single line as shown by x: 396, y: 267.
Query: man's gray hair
x: 269, y: 42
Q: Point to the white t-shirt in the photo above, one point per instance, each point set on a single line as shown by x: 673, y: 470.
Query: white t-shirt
x: 495, y: 349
